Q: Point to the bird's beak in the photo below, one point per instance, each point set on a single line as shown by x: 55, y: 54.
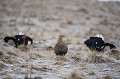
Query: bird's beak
x: 84, y: 41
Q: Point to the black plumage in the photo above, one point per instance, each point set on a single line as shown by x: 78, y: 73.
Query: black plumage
x: 19, y: 40
x: 97, y: 44
x: 60, y: 48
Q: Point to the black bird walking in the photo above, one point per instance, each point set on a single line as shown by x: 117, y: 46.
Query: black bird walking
x: 19, y: 39
x: 97, y: 44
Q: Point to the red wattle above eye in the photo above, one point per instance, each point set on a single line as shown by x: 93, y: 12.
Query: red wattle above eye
x: 23, y: 37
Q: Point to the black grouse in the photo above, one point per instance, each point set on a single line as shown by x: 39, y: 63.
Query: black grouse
x: 19, y: 39
x: 97, y: 44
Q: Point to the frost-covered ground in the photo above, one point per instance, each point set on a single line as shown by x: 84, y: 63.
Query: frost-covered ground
x: 44, y: 21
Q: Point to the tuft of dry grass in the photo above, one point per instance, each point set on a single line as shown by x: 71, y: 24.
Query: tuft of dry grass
x: 100, y: 59
x: 92, y: 54
x: 61, y: 58
x: 34, y: 54
x: 114, y: 53
x: 73, y: 75
x: 96, y: 57
x: 76, y: 57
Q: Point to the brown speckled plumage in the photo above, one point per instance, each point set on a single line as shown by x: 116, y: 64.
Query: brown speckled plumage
x: 60, y: 48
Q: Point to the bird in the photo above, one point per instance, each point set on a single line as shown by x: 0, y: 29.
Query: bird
x: 60, y: 47
x: 19, y: 39
x: 97, y: 43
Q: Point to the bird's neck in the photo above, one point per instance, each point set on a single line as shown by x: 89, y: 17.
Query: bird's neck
x: 59, y: 40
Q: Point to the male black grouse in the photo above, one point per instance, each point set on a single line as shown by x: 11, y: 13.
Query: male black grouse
x: 19, y: 39
x: 97, y: 43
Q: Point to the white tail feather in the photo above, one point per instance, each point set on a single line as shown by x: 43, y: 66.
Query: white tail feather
x: 20, y: 33
x: 100, y: 36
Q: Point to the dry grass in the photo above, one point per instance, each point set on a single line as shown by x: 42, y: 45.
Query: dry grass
x: 92, y: 54
x: 114, y: 53
x: 76, y: 56
x: 8, y: 56
x: 33, y: 78
x: 2, y: 65
x: 73, y: 75
x: 8, y: 77
x: 31, y: 54
x: 97, y: 57
x: 61, y: 58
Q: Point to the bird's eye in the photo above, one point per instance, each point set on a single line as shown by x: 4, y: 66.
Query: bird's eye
x: 18, y: 39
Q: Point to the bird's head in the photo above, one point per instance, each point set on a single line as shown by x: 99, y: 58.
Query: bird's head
x: 85, y: 41
x: 61, y: 36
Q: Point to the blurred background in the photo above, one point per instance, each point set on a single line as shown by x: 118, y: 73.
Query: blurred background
x: 44, y: 19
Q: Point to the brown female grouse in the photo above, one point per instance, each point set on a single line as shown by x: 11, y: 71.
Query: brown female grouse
x: 60, y: 48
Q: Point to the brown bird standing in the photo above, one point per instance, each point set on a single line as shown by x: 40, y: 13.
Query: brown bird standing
x: 60, y: 48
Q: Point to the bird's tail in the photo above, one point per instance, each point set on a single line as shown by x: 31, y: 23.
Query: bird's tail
x: 110, y: 45
x: 6, y: 39
x: 100, y: 36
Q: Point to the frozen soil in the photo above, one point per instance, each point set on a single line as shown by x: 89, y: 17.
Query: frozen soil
x: 44, y: 21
